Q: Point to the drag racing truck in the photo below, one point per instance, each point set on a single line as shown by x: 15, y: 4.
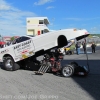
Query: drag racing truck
x: 27, y: 48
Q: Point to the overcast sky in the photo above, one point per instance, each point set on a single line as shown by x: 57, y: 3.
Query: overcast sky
x: 62, y: 14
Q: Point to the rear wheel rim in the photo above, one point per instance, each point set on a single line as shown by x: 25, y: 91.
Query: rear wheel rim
x: 67, y: 71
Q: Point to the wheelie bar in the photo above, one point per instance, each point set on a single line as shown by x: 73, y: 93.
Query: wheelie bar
x: 43, y: 69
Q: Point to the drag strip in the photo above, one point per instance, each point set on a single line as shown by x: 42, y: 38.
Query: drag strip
x: 25, y: 85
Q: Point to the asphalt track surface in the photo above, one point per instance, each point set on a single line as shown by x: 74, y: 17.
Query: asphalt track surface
x: 25, y: 85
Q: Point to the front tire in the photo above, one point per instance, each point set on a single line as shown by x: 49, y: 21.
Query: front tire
x: 10, y: 65
x: 67, y: 70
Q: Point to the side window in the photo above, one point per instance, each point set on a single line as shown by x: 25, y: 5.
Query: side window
x: 24, y: 38
x: 14, y: 41
x: 21, y: 39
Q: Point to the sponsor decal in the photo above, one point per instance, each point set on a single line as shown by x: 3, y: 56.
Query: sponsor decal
x: 25, y: 51
x: 4, y: 51
x: 24, y: 56
x: 23, y: 45
x: 31, y: 52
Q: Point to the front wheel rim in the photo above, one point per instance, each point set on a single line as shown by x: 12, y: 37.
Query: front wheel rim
x: 9, y: 64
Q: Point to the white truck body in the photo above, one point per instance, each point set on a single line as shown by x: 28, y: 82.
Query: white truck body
x: 25, y: 49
